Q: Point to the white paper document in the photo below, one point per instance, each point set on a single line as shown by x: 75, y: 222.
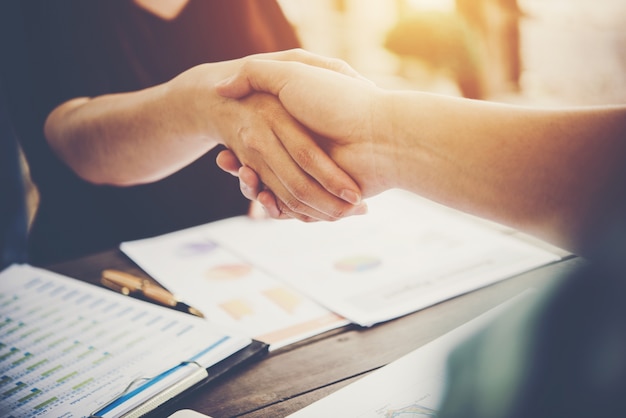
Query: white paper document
x: 229, y: 290
x: 406, y: 254
x: 68, y: 348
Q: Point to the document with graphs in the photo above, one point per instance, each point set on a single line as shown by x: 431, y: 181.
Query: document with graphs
x: 406, y: 254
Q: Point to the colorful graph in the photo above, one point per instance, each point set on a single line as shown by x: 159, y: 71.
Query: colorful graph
x: 228, y: 271
x: 358, y: 263
x: 284, y: 298
x: 237, y: 308
x: 191, y: 249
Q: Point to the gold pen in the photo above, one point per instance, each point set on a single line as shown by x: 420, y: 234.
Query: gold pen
x: 128, y: 284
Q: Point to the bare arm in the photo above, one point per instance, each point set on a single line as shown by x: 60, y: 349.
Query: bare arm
x: 558, y: 174
x: 128, y: 138
x: 555, y: 173
x: 143, y: 136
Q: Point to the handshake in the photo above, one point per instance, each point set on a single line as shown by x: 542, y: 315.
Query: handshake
x: 320, y: 161
x: 344, y: 139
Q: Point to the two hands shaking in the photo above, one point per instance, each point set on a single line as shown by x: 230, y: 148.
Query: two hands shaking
x: 326, y: 170
x: 556, y: 173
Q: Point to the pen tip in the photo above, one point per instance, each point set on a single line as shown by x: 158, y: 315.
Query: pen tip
x: 196, y: 312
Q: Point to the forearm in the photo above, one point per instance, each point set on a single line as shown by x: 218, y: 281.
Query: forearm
x: 129, y: 138
x: 557, y: 174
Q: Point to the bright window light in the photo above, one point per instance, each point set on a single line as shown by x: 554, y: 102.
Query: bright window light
x: 444, y: 5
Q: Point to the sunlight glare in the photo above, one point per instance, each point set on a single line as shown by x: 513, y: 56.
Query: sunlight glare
x: 443, y: 5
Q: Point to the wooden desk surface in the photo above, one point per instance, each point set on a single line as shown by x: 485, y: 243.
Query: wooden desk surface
x: 293, y: 377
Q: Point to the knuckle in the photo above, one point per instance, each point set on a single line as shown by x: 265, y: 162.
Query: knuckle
x: 338, y: 211
x: 293, y: 205
x: 304, y: 157
x: 246, y: 65
x: 284, y: 209
x: 297, y: 52
x: 300, y: 192
x: 271, y: 110
x: 339, y: 65
x: 250, y: 140
x: 266, y: 107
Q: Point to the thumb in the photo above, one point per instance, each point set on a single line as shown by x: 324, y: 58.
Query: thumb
x: 254, y: 75
x: 234, y: 87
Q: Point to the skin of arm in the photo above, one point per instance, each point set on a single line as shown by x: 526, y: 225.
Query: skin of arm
x: 555, y: 173
x: 143, y: 136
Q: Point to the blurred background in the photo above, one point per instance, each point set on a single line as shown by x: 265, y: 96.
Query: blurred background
x: 538, y: 52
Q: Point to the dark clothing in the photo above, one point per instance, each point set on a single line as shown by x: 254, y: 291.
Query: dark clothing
x: 563, y: 356
x: 89, y: 48
x: 13, y: 208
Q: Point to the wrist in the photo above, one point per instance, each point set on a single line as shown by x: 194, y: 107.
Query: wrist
x: 386, y: 149
x: 191, y: 97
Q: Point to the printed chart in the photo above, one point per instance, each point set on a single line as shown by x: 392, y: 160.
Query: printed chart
x: 229, y: 290
x: 406, y: 254
x: 68, y: 348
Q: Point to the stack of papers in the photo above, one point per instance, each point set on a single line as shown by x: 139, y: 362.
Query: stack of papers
x: 283, y: 281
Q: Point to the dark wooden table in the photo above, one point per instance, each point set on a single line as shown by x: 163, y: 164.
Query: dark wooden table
x: 293, y: 377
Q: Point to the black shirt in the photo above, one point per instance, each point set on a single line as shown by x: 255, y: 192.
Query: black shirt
x: 66, y: 49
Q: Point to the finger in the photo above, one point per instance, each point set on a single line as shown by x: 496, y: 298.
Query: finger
x: 288, y: 203
x: 307, y: 93
x: 263, y: 150
x: 300, y: 193
x: 278, y: 210
x: 270, y: 75
x: 309, y: 58
x: 268, y: 200
x: 249, y: 78
x: 249, y: 183
x: 246, y: 191
x: 314, y: 161
x: 228, y: 161
x: 260, y: 151
x: 251, y: 187
x: 296, y: 168
x: 257, y: 211
x: 292, y: 207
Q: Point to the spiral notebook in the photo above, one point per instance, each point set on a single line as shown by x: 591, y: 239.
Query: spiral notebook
x: 71, y: 349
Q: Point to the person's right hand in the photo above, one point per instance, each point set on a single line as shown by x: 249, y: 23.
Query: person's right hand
x: 266, y: 137
x: 340, y: 110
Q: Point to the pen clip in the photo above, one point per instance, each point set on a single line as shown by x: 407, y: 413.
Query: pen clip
x: 115, y: 286
x: 127, y: 283
x: 122, y: 279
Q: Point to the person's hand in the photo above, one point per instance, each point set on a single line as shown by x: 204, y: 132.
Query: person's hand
x: 338, y: 109
x: 266, y: 138
x: 292, y: 165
